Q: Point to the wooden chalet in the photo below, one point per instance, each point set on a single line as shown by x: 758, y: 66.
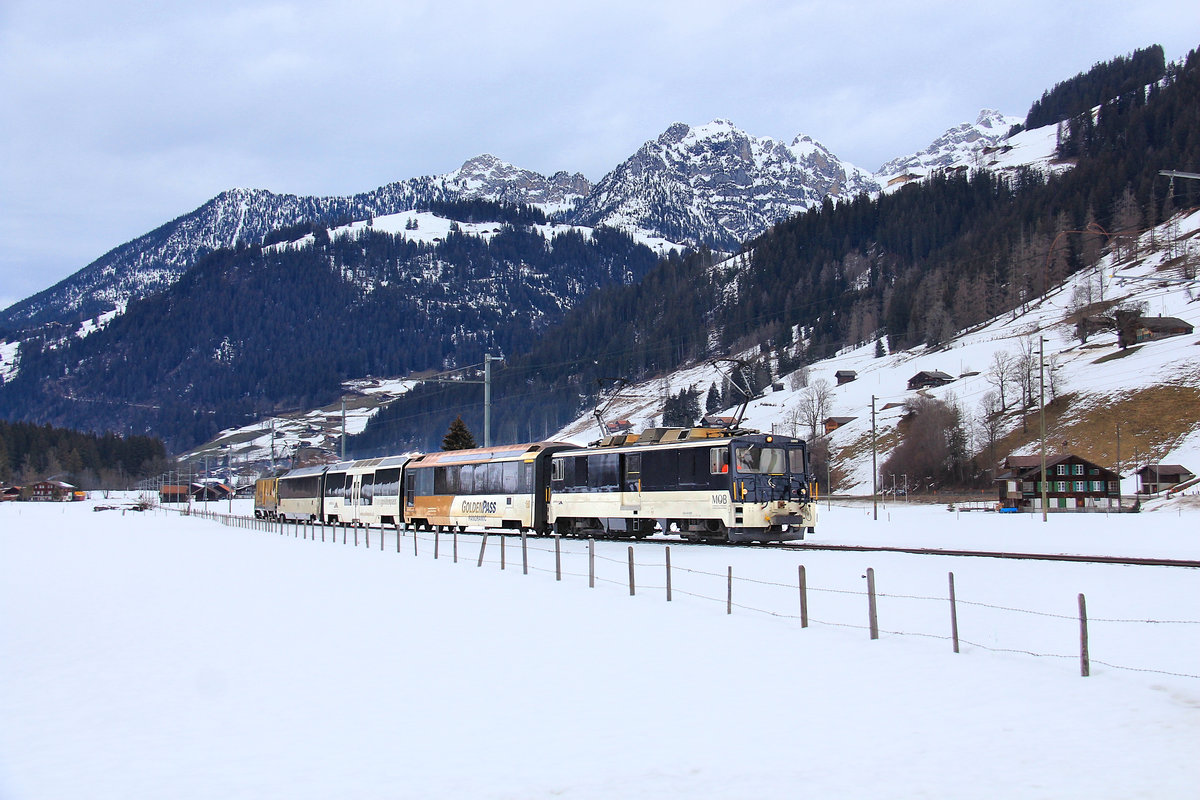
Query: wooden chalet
x: 618, y: 426
x: 845, y: 376
x: 1155, y: 478
x: 833, y: 423
x: 174, y: 493
x: 10, y: 493
x: 211, y: 491
x: 52, y: 491
x: 1151, y: 328
x: 929, y: 378
x: 1072, y: 484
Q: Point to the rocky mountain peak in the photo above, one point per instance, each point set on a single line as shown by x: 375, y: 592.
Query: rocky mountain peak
x: 487, y: 177
x: 957, y: 146
x: 716, y: 183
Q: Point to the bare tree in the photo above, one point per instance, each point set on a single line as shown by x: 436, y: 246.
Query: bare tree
x: 989, y: 420
x: 1000, y: 375
x: 1024, y: 367
x: 815, y: 403
x: 1054, y: 379
x: 799, y: 378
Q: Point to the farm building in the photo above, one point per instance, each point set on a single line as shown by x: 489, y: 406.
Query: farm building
x: 929, y: 378
x: 1157, y: 478
x: 1072, y: 484
x: 52, y: 490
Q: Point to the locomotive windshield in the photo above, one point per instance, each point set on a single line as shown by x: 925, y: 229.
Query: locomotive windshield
x: 762, y: 460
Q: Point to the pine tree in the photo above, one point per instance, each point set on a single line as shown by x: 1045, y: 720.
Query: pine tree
x: 713, y: 402
x: 458, y: 437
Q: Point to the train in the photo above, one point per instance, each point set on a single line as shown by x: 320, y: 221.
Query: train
x: 702, y: 484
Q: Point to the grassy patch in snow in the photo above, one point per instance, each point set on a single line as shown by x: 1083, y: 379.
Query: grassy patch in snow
x: 1152, y: 422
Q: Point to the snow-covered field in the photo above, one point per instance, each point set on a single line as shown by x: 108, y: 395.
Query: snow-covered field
x: 153, y: 655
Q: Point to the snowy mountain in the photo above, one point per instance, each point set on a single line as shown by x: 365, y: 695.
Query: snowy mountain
x: 718, y: 184
x: 962, y: 145
x: 156, y: 260
x: 713, y: 183
x: 486, y: 177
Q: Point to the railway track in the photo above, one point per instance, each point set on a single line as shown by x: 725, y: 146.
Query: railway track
x: 930, y: 551
x: 858, y: 548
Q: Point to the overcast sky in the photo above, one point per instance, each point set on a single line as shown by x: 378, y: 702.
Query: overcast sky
x: 119, y: 116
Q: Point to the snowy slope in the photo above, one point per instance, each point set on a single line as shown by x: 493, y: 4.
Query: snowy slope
x: 157, y: 656
x: 1174, y: 360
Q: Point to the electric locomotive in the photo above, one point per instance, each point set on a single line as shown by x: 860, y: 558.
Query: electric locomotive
x: 706, y: 484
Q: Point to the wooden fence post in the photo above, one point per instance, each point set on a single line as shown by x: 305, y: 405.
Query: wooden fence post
x: 953, y: 614
x: 729, y: 592
x: 557, y: 557
x: 524, y: 556
x: 415, y: 537
x: 398, y: 537
x: 482, y: 548
x: 1085, y: 663
x: 803, y: 598
x: 668, y: 554
x: 631, y: 583
x: 591, y: 563
x: 502, y: 538
x: 437, y: 541
x: 456, y: 545
x: 871, y: 607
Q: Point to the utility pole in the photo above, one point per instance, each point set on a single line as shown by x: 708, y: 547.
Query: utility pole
x: 1118, y: 466
x: 343, y: 429
x: 874, y: 468
x: 1042, y: 404
x: 488, y: 358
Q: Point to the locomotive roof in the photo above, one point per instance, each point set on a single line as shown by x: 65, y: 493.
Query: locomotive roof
x: 685, y: 437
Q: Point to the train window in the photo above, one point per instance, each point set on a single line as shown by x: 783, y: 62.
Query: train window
x: 718, y: 461
x: 510, y: 471
x: 603, y: 471
x: 580, y: 479
x: 660, y: 470
x: 423, y: 480
x: 526, y: 482
x: 557, y: 469
x: 387, y: 483
x: 763, y: 460
x: 495, y: 478
x: 335, y: 484
x: 693, y: 468
x: 366, y: 490
x: 796, y: 460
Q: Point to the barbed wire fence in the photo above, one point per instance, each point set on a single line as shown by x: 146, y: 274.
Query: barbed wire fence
x: 498, y: 551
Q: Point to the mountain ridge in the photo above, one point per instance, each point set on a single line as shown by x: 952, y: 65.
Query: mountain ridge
x: 709, y: 184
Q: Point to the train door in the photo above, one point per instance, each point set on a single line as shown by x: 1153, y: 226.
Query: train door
x: 410, y: 490
x: 631, y: 482
x: 354, y: 497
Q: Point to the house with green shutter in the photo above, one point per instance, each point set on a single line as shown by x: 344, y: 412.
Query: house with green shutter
x: 1072, y: 484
